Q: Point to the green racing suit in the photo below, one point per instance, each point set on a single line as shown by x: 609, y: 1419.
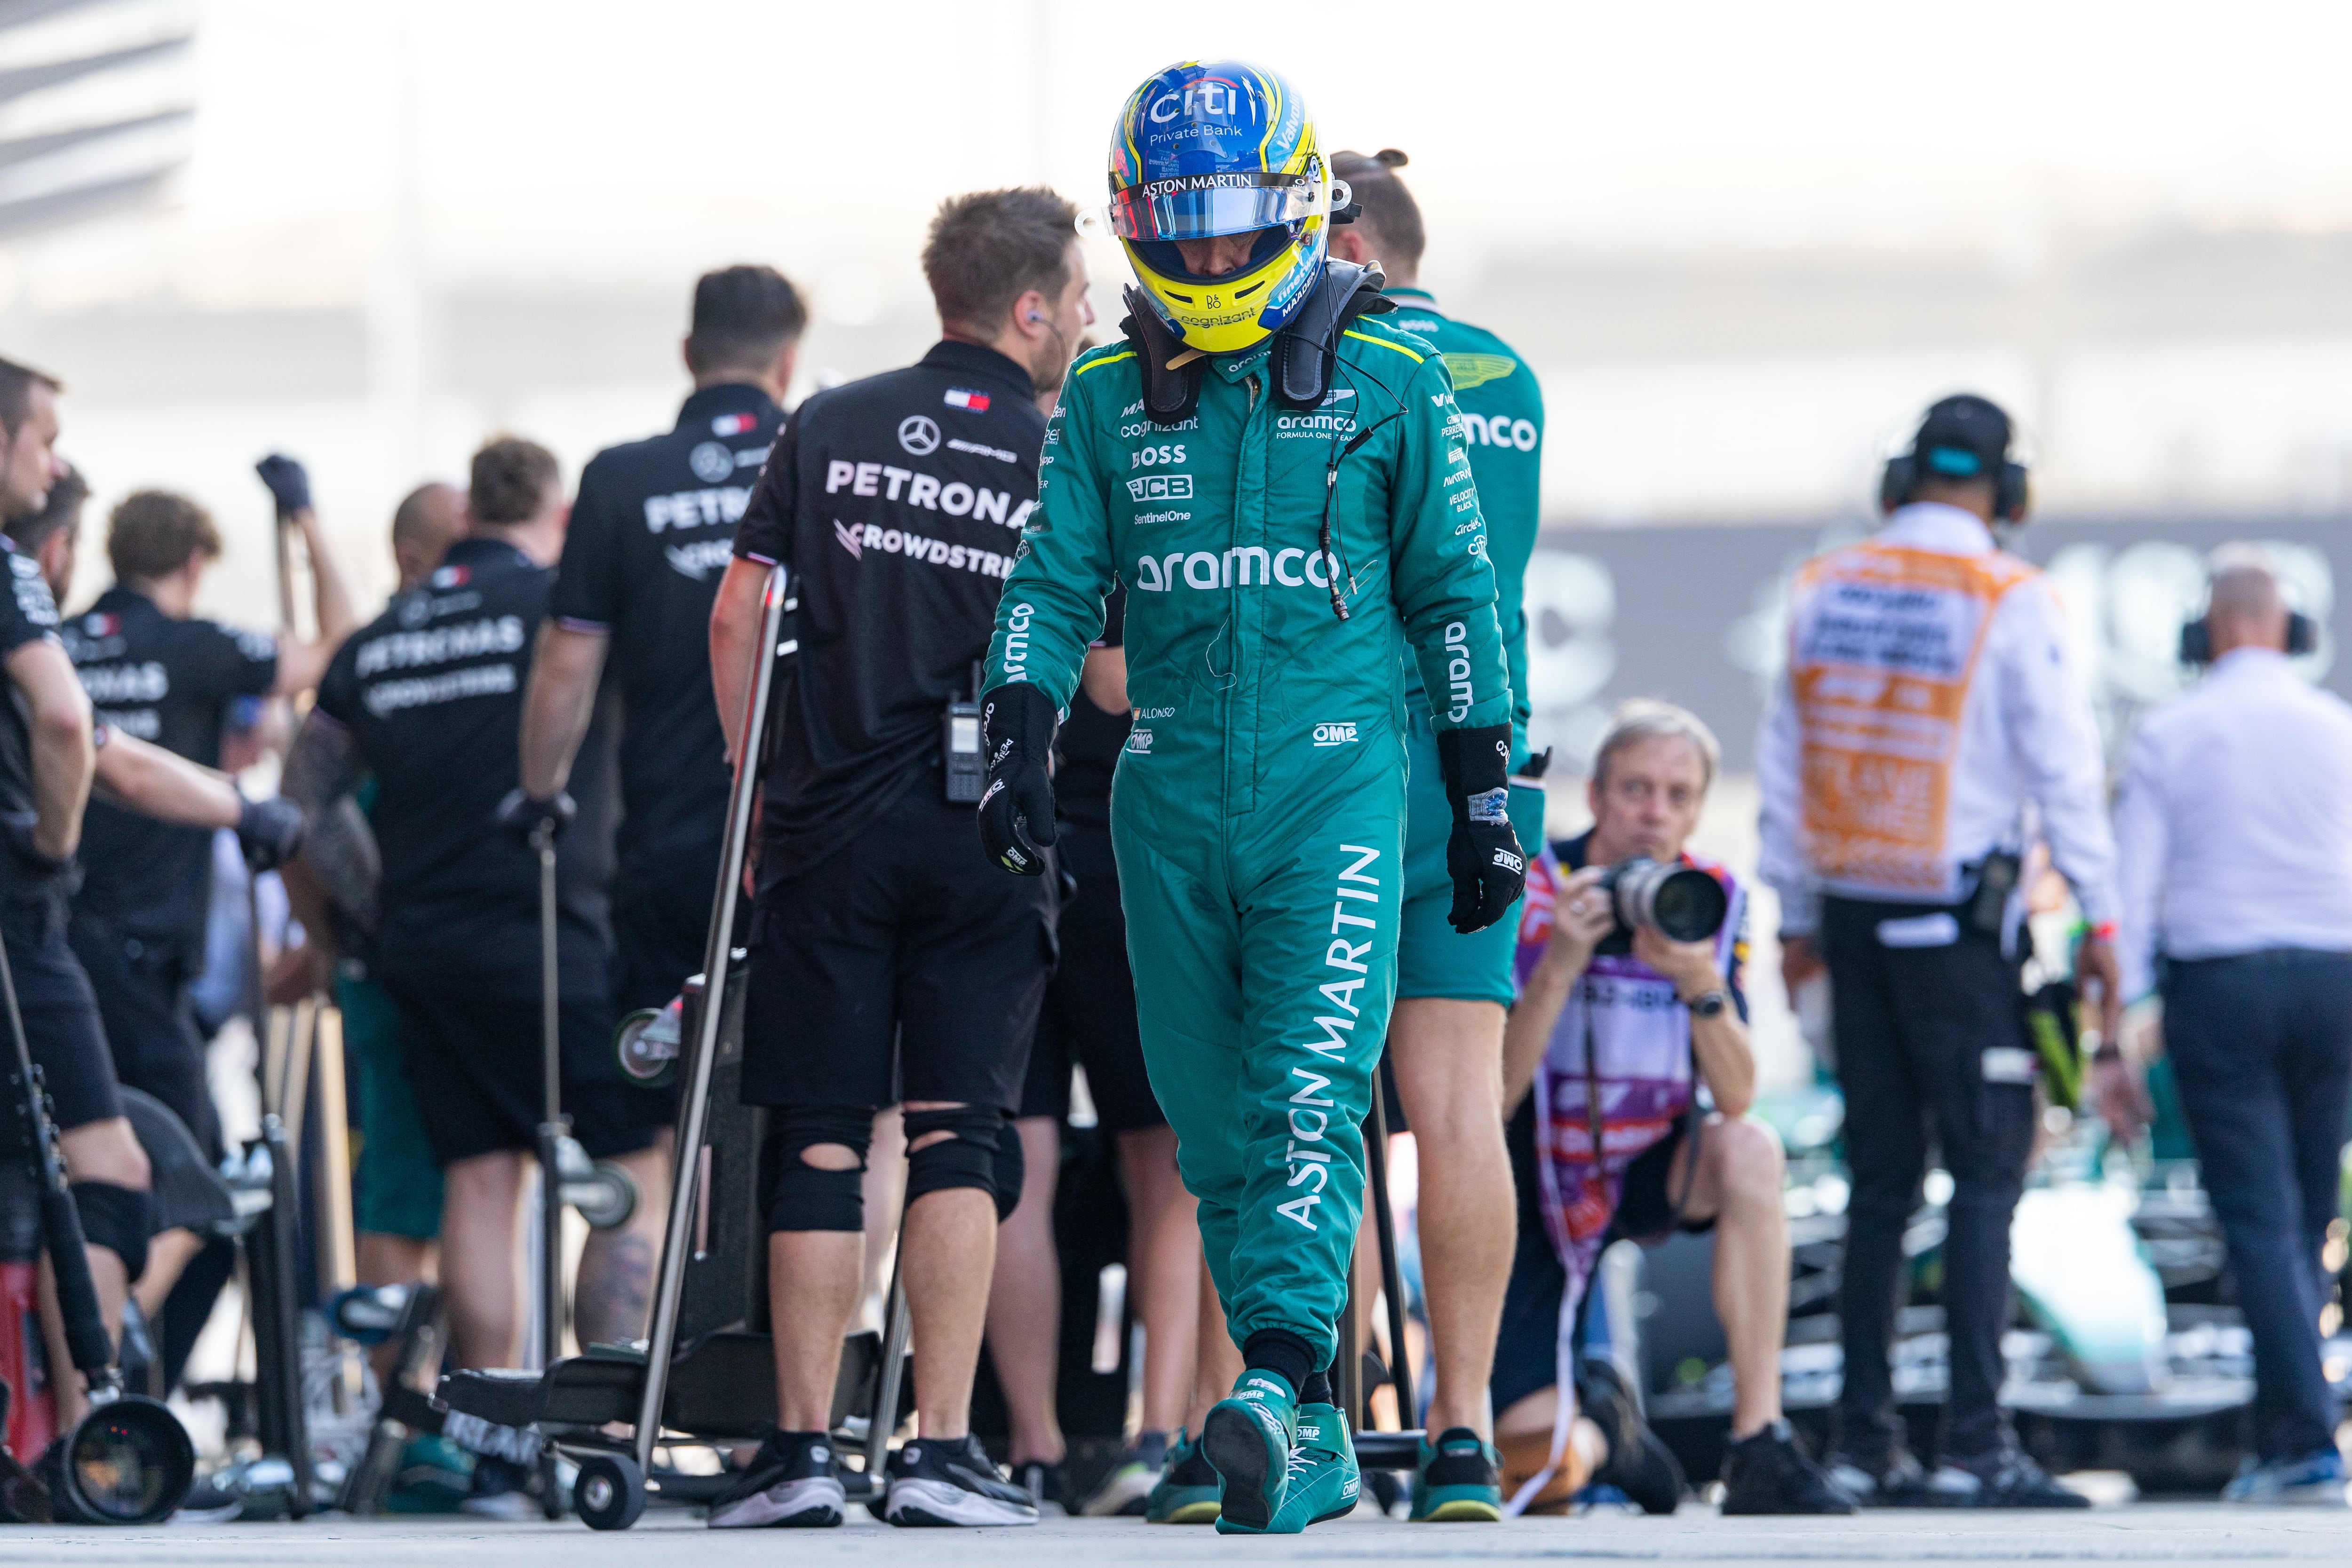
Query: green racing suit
x: 1258, y: 813
x: 1502, y: 409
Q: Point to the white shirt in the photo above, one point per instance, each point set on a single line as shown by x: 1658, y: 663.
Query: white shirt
x: 2234, y: 823
x: 2028, y: 736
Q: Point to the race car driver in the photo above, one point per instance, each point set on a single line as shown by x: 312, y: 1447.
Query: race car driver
x: 1278, y: 478
x: 1445, y: 1039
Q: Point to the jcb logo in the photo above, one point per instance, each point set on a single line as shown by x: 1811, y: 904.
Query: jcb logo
x: 1154, y: 456
x: 1335, y: 735
x: 1161, y: 488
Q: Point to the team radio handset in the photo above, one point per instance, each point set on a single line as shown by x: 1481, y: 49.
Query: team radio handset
x: 967, y: 769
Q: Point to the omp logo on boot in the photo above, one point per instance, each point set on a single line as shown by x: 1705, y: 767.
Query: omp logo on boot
x: 1335, y: 735
x: 1161, y: 488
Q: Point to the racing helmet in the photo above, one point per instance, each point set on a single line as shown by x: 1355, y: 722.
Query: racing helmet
x: 1213, y: 148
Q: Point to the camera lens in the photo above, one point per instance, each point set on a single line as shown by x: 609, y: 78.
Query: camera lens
x: 129, y: 1463
x: 1688, y: 905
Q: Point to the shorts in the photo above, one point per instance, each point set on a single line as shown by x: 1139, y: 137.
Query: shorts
x: 61, y: 1018
x: 1527, y: 1343
x: 1088, y: 1019
x: 908, y: 936
x: 142, y: 987
x: 1432, y: 958
x: 659, y: 927
x: 472, y: 1056
x: 398, y: 1188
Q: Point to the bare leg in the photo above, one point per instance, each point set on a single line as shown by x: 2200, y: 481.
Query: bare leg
x: 812, y: 1293
x: 1163, y: 1271
x: 614, y: 1294
x: 108, y: 1152
x: 1448, y: 1056
x: 947, y: 1258
x: 1737, y: 1185
x: 1024, y: 1301
x: 1217, y: 1361
x: 482, y: 1257
x: 885, y: 1189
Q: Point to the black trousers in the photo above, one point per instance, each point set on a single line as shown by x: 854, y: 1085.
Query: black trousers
x: 2262, y: 1047
x: 143, y: 998
x: 1927, y: 1038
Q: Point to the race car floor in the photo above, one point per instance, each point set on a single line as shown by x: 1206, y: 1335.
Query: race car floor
x: 2141, y: 1532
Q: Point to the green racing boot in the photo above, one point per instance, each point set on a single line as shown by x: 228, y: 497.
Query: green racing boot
x: 1457, y: 1480
x: 1186, y: 1491
x: 1248, y: 1437
x: 1322, y: 1481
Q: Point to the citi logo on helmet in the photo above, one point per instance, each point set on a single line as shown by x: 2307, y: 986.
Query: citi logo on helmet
x: 1220, y: 100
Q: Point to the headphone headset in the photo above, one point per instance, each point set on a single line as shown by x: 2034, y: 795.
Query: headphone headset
x: 1898, y: 484
x: 2197, y: 637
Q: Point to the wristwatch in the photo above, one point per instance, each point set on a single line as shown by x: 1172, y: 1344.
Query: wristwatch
x: 1710, y: 1004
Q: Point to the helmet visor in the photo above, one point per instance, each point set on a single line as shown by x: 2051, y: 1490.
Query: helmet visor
x: 1202, y: 206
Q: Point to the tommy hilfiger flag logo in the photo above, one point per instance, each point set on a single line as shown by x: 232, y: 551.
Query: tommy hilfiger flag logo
x: 969, y: 402
x: 733, y: 423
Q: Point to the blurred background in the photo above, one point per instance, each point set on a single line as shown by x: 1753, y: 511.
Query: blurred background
x: 1741, y: 245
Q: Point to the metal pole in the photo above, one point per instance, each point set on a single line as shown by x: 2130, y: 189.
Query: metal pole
x: 552, y: 1127
x: 1376, y: 1155
x: 717, y: 949
x: 895, y: 1327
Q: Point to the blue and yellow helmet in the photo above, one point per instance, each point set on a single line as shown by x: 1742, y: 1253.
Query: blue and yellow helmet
x: 1220, y: 148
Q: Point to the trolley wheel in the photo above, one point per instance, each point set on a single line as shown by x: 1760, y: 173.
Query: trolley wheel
x: 636, y: 1063
x: 609, y: 1493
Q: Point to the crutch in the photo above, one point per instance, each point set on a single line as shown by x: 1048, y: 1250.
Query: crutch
x: 554, y: 1128
x: 894, y: 1329
x: 717, y: 952
x: 128, y: 1461
x: 1376, y: 1165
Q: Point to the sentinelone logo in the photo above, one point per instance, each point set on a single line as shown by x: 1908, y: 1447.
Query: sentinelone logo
x: 1161, y: 488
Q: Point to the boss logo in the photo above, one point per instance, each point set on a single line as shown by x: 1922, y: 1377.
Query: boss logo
x: 1335, y: 735
x: 1154, y: 456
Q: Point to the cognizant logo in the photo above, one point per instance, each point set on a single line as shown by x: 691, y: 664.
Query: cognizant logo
x: 1457, y: 670
x: 1243, y: 566
x: 1016, y: 643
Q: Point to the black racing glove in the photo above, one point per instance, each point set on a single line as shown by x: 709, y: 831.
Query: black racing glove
x: 1482, y: 856
x: 1016, y: 809
x: 520, y: 818
x: 288, y: 480
x: 269, y: 831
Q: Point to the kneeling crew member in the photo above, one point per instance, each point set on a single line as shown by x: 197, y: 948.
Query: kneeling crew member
x: 1928, y: 703
x: 1283, y: 487
x: 1644, y: 1018
x: 428, y: 697
x: 896, y: 504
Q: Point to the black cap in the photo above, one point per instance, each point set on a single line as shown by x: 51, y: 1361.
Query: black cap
x: 1963, y: 437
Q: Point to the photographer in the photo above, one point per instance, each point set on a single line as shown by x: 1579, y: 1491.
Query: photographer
x: 2235, y: 834
x: 1612, y: 1027
x: 887, y: 961
x: 1930, y: 720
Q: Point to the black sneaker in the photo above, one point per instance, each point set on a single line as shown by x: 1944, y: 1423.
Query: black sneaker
x: 1768, y: 1472
x: 1638, y: 1464
x: 2005, y: 1477
x: 950, y: 1481
x: 1893, y: 1480
x: 793, y: 1482
x: 1044, y: 1484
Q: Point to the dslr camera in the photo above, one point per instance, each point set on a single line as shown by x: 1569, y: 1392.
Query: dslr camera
x: 1680, y: 902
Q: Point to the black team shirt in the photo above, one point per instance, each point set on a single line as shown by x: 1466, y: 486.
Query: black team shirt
x: 170, y: 683
x: 27, y: 614
x: 897, y: 504
x: 650, y: 538
x: 432, y: 692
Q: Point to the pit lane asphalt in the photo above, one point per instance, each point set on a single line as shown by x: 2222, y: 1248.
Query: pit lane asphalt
x: 2138, y: 1533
